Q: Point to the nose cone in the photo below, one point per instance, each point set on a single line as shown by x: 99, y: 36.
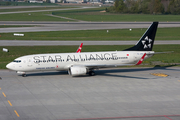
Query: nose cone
x: 9, y: 66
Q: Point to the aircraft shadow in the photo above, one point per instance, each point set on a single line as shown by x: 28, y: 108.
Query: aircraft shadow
x: 121, y: 70
x: 106, y: 72
x: 137, y: 69
x: 48, y: 73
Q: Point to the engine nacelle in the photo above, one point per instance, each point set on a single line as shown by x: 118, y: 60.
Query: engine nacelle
x: 18, y: 72
x: 77, y: 70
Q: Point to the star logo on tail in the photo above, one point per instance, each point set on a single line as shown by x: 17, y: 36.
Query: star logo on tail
x: 147, y: 42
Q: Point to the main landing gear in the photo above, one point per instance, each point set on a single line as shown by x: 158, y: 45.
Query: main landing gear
x: 24, y: 75
x: 91, y: 73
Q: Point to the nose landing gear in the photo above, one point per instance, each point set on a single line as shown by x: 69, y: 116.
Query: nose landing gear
x: 22, y: 73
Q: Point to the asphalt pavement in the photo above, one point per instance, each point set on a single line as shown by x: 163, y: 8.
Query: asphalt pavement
x: 62, y: 43
x: 67, y: 26
x: 112, y: 94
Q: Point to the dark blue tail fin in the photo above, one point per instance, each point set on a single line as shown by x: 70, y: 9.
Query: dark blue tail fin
x: 147, y: 40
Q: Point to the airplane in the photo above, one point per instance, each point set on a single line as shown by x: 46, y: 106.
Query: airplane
x: 86, y: 62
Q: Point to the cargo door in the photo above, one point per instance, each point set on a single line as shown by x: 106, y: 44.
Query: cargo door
x: 136, y: 57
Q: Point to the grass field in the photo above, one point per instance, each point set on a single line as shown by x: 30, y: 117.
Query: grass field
x: 3, y: 3
x: 80, y: 11
x: 34, y: 16
x: 93, y: 14
x: 39, y: 16
x: 116, y: 34
x: 17, y: 51
x: 34, y: 8
x: 121, y: 17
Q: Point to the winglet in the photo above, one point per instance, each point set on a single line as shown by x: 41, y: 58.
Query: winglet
x: 79, y: 49
x: 141, y: 60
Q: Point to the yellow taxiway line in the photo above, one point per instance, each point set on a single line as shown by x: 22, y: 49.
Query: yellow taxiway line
x: 9, y: 103
x: 4, y: 94
x: 159, y: 74
x: 16, y: 113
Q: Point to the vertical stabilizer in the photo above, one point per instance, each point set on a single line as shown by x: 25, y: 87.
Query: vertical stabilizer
x: 147, y: 40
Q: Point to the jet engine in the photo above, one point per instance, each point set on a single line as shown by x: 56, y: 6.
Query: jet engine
x: 77, y: 70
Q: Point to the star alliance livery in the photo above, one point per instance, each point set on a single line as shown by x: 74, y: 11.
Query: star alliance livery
x: 85, y: 62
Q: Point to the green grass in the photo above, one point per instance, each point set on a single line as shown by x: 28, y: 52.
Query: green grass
x: 101, y: 16
x: 39, y: 16
x: 116, y: 34
x: 30, y: 9
x: 95, y: 15
x: 17, y: 51
x: 34, y: 16
x: 2, y: 3
x: 92, y: 14
x: 79, y: 11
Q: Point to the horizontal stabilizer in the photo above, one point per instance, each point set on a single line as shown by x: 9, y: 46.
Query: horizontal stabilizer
x: 159, y: 53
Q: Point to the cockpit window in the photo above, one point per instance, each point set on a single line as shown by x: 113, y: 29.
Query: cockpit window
x: 17, y: 61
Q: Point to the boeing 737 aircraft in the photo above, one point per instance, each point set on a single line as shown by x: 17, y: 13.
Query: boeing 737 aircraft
x: 85, y: 62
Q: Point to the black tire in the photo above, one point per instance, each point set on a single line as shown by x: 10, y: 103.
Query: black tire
x: 24, y: 75
x: 91, y: 73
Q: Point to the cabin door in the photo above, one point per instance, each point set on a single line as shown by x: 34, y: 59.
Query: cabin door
x: 29, y: 62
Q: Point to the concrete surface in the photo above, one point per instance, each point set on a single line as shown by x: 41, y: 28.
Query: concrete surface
x: 118, y: 94
x: 66, y: 26
x: 49, y: 43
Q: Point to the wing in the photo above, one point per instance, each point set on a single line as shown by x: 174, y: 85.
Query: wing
x: 97, y: 66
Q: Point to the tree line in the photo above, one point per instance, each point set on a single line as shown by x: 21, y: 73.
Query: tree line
x: 145, y: 7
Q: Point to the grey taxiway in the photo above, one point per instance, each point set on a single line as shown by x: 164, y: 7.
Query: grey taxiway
x: 62, y: 43
x: 66, y: 26
x: 118, y: 94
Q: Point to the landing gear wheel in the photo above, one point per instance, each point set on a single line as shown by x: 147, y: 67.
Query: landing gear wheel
x: 24, y: 75
x: 91, y: 73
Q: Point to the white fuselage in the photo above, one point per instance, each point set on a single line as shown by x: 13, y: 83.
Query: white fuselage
x: 63, y: 61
